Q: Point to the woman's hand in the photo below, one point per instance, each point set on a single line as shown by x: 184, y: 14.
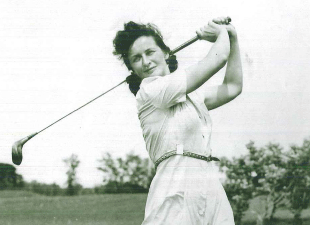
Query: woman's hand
x: 224, y: 21
x: 210, y: 32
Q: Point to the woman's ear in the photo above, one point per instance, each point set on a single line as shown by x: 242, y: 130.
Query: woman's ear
x: 166, y: 56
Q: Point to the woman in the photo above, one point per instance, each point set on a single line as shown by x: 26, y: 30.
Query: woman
x: 173, y: 112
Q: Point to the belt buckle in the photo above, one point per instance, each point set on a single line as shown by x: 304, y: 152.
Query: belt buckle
x: 180, y: 150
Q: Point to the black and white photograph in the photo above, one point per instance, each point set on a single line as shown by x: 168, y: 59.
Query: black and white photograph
x: 154, y: 112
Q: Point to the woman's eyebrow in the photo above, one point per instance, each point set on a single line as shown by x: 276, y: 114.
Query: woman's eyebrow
x: 138, y: 54
x: 150, y: 49
x: 133, y: 56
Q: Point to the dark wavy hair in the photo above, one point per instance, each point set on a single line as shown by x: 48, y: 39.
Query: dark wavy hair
x: 125, y: 38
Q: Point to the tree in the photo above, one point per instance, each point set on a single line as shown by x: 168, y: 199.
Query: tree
x: 298, y: 179
x: 9, y: 179
x: 44, y: 189
x: 269, y: 167
x: 273, y: 176
x: 260, y: 174
x: 238, y: 184
x: 138, y: 171
x: 131, y: 174
x: 110, y: 169
x: 73, y: 187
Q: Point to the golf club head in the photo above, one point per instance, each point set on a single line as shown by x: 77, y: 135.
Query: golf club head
x: 17, y: 149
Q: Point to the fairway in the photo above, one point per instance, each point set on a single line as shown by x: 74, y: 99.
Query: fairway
x: 26, y: 208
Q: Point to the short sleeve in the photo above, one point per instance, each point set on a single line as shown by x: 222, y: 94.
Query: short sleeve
x: 164, y: 92
x: 197, y: 95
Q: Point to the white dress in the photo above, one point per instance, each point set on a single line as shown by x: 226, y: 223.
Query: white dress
x: 185, y: 190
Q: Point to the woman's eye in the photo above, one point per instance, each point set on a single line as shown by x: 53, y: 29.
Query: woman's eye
x: 135, y: 59
x: 150, y: 52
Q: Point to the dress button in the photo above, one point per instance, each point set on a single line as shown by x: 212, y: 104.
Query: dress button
x: 203, y: 136
x: 201, y: 212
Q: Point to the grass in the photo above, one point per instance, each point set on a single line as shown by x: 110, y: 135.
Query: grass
x: 25, y: 208
x: 282, y: 216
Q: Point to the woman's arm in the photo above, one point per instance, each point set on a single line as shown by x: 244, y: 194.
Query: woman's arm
x: 232, y: 84
x: 216, y: 59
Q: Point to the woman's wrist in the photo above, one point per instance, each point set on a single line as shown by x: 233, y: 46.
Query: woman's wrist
x: 223, y: 29
x: 231, y: 32
x: 222, y: 32
x: 233, y: 37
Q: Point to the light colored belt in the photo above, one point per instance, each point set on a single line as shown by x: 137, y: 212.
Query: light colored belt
x: 184, y: 153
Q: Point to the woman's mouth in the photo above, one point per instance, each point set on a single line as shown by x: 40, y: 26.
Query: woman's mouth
x: 150, y: 70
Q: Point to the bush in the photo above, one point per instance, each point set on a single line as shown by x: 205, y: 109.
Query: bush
x: 129, y: 175
x: 9, y: 179
x: 44, y: 189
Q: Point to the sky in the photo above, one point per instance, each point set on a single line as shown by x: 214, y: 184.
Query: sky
x: 57, y: 55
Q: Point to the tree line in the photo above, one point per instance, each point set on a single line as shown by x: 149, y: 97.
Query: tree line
x: 274, y: 177
x: 132, y: 174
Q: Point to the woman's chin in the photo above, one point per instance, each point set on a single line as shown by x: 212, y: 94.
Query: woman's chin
x: 155, y: 73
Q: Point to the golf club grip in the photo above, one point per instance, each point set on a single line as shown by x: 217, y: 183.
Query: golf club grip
x: 189, y: 42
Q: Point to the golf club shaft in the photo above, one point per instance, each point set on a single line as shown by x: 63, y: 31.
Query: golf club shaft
x: 191, y: 41
x: 17, y: 156
x: 81, y: 107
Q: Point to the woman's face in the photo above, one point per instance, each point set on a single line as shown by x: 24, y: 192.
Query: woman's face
x: 147, y: 59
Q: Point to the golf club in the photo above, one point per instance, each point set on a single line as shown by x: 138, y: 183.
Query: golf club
x: 17, y: 148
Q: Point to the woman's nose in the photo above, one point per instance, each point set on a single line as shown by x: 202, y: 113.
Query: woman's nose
x: 145, y: 60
